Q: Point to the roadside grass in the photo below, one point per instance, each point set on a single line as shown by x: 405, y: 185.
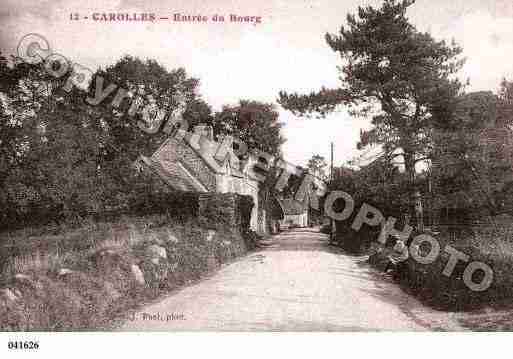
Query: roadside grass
x: 487, y: 244
x: 83, y: 278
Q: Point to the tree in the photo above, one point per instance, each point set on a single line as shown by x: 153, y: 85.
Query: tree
x: 317, y: 166
x: 505, y: 103
x: 157, y: 88
x: 50, y: 149
x: 255, y: 123
x: 473, y: 149
x: 24, y: 91
x: 60, y: 157
x: 123, y: 141
x: 390, y: 70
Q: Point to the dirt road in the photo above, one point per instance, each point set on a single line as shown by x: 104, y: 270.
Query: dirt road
x: 300, y: 283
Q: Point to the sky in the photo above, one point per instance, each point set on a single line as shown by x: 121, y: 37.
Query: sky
x: 285, y: 51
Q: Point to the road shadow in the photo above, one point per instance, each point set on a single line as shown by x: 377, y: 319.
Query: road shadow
x: 302, y: 241
x: 386, y: 289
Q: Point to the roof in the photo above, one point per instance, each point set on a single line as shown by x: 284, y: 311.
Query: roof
x: 205, y: 149
x: 291, y: 206
x: 174, y: 174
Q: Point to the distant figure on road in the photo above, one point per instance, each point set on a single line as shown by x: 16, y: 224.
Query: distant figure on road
x: 399, y: 255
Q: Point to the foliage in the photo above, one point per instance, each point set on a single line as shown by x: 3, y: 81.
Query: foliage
x: 156, y: 88
x: 326, y: 229
x: 50, y: 150
x: 473, y: 151
x: 488, y: 244
x: 379, y: 185
x: 254, y: 123
x: 317, y: 166
x: 63, y: 159
x: 245, y: 205
x: 390, y: 70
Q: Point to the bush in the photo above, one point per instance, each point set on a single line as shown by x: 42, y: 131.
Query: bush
x: 251, y: 239
x: 484, y: 244
x: 355, y: 242
x: 326, y: 229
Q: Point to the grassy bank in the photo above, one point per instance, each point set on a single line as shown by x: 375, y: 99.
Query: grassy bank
x: 83, y: 278
x: 489, y: 244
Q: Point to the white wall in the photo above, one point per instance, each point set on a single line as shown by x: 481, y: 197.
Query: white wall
x: 251, y: 188
x: 300, y: 220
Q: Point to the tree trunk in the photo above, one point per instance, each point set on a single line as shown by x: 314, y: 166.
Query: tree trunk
x: 409, y: 165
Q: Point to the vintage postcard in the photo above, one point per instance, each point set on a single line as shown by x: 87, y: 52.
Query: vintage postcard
x: 255, y: 166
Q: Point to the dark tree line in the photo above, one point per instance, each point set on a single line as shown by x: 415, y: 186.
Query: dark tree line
x: 404, y: 80
x: 62, y: 159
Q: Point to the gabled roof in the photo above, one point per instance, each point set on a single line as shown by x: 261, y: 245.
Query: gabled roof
x: 174, y: 174
x: 205, y: 149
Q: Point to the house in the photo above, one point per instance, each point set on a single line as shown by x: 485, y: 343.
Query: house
x: 294, y: 213
x: 190, y: 164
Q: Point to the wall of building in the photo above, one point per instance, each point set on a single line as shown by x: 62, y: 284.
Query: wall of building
x: 225, y: 182
x: 300, y: 220
x: 245, y: 186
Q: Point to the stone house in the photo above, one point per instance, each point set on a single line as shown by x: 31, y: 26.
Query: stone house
x: 190, y: 164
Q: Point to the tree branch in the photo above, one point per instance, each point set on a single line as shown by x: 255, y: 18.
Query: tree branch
x: 321, y: 102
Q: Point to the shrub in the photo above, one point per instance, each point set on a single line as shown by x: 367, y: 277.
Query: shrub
x: 484, y: 244
x: 251, y: 238
x: 355, y: 242
x: 326, y: 229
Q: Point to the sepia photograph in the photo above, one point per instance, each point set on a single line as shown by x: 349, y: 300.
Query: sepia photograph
x: 269, y: 166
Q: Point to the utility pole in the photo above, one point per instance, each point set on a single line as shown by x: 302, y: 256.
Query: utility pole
x: 332, y: 222
x: 331, y: 166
